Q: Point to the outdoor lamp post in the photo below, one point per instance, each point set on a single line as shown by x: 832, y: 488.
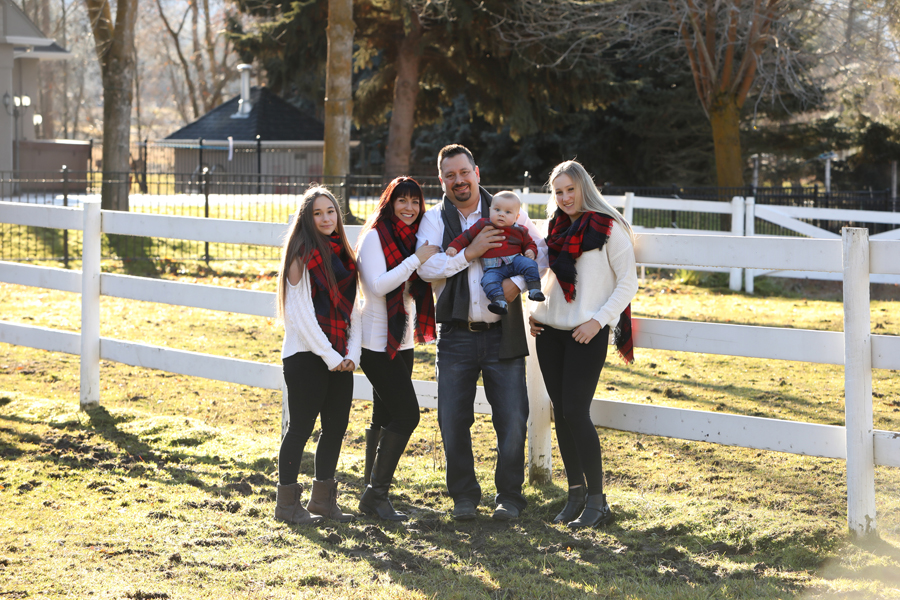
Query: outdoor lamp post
x: 12, y: 104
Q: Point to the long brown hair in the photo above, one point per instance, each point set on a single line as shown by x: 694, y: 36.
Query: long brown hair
x: 302, y: 238
x: 384, y: 210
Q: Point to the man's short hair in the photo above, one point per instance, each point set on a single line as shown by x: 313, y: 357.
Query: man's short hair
x: 451, y: 151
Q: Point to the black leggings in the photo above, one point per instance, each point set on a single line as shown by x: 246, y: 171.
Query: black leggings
x: 395, y: 406
x: 314, y: 391
x: 571, y: 372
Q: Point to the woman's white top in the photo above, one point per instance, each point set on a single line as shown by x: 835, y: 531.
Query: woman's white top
x: 375, y: 282
x: 302, y: 332
x: 605, y: 284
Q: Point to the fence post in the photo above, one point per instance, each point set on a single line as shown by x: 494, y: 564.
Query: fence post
x: 65, y: 173
x: 90, y: 305
x: 858, y: 383
x: 737, y: 228
x: 90, y: 174
x: 893, y: 186
x: 628, y: 211
x: 204, y: 179
x: 258, y: 165
x: 540, y: 444
x: 749, y: 231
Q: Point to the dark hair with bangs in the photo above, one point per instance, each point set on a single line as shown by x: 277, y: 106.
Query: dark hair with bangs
x: 400, y: 187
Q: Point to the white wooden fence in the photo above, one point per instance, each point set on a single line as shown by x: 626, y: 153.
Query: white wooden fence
x: 854, y: 256
x: 744, y: 211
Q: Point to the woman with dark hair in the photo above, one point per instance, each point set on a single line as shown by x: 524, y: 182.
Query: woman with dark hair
x: 589, y: 288
x: 397, y: 311
x: 316, y: 301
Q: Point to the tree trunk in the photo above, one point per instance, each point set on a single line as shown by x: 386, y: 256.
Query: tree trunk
x: 338, y: 94
x: 725, y: 118
x: 403, y: 110
x: 118, y: 97
x: 115, y: 49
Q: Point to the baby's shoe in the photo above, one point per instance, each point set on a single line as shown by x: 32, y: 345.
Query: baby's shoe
x: 498, y: 307
x: 536, y: 295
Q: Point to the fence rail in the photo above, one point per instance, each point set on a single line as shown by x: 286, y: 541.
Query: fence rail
x: 856, y: 348
x: 273, y: 198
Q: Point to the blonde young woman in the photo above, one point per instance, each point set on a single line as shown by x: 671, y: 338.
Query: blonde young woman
x: 316, y: 301
x: 589, y: 288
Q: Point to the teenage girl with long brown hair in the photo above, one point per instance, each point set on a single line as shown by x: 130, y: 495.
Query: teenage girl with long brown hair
x: 316, y: 301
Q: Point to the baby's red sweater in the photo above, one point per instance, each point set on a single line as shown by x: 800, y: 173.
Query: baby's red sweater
x: 517, y: 240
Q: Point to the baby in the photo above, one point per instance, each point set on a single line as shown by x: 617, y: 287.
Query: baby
x: 515, y: 257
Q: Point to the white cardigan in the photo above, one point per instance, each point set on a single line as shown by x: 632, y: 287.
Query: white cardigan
x: 302, y: 332
x: 375, y: 282
x: 606, y: 283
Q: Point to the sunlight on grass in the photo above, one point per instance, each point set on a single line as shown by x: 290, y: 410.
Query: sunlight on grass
x: 167, y: 490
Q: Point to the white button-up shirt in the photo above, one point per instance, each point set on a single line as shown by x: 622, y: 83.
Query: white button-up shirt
x: 440, y: 266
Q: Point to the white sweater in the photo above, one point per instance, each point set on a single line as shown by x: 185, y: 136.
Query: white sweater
x: 605, y: 284
x: 302, y: 332
x: 375, y: 282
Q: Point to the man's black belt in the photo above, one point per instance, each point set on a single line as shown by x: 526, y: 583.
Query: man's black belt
x: 475, y: 326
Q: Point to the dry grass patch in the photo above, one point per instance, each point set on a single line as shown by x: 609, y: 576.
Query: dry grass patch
x: 167, y: 490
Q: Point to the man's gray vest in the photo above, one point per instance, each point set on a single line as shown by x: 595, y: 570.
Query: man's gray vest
x: 453, y: 305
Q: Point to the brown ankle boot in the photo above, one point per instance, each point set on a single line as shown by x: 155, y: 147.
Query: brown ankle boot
x: 289, y: 508
x: 323, y: 501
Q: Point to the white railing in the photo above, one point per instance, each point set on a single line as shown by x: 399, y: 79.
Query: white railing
x: 854, y: 256
x: 744, y: 211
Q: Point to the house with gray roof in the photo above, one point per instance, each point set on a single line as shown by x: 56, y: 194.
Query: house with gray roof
x: 256, y: 136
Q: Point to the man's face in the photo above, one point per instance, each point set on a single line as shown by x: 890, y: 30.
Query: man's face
x: 459, y: 179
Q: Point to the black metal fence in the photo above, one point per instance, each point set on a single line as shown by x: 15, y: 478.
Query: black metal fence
x: 812, y: 196
x: 274, y: 198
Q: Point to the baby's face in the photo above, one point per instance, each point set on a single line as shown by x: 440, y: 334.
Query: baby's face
x: 504, y: 212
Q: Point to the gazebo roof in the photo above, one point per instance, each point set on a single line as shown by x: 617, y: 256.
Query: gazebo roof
x: 270, y: 117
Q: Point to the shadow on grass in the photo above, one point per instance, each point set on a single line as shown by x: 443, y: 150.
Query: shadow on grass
x: 431, y: 553
x: 76, y: 447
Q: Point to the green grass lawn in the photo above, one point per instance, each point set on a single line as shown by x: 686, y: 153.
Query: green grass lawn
x: 167, y: 490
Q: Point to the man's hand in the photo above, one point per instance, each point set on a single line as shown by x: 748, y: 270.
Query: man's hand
x: 510, y: 290
x: 535, y: 327
x: 488, y: 238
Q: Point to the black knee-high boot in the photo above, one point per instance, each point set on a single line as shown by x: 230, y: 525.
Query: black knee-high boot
x: 373, y: 435
x: 375, y: 500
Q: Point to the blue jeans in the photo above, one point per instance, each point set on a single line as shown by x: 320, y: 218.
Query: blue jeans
x: 461, y: 356
x: 492, y: 280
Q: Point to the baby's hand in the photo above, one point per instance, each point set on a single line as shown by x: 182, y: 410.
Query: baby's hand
x: 529, y: 254
x: 451, y: 251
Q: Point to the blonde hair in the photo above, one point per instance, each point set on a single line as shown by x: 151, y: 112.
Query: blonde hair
x: 302, y: 238
x: 591, y: 199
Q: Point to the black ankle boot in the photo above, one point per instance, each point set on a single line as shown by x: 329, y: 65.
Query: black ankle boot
x: 372, y: 436
x: 573, y: 508
x: 596, y: 512
x: 374, y: 501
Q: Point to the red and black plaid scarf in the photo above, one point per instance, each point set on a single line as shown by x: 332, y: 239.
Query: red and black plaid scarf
x: 333, y: 305
x: 566, y: 242
x: 398, y: 241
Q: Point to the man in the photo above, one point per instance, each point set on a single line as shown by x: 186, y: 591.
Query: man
x: 474, y: 341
